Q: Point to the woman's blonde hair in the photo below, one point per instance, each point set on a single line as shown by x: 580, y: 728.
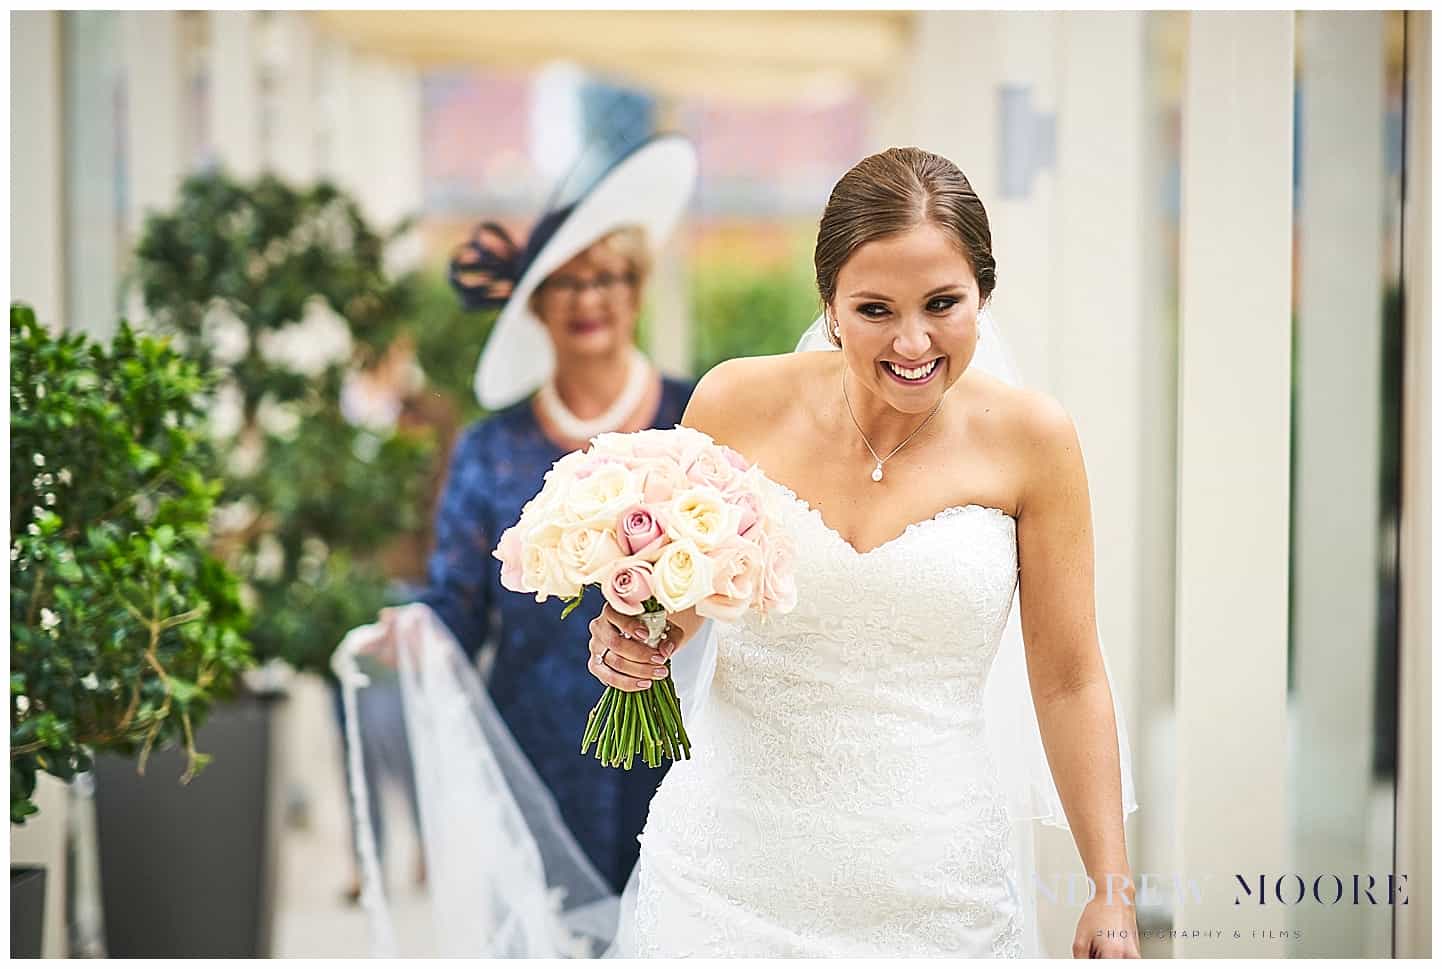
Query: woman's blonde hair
x: 628, y: 242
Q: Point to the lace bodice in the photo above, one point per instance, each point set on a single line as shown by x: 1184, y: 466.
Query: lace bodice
x: 842, y: 800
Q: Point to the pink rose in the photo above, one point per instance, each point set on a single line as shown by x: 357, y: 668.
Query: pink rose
x: 660, y: 482
x: 640, y: 532
x: 594, y: 463
x: 712, y: 469
x: 509, y: 553
x: 736, y: 583
x: 735, y: 459
x: 678, y: 445
x: 750, y: 506
x: 778, y: 580
x: 627, y: 585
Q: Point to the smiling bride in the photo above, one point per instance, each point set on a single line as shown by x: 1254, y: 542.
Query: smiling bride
x: 845, y: 802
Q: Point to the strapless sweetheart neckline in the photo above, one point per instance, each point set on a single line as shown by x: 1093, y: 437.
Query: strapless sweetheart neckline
x: 948, y: 512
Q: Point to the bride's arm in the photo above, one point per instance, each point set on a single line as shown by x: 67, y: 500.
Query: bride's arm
x: 1068, y: 681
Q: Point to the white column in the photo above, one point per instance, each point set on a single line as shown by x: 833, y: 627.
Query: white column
x: 1337, y: 452
x: 672, y: 333
x: 392, y: 186
x: 154, y: 118
x: 288, y: 47
x: 37, y: 199
x: 375, y: 143
x: 92, y: 228
x: 332, y: 79
x: 1094, y: 334
x: 1153, y: 834
x: 1022, y: 206
x: 234, y: 93
x: 1414, y: 760
x: 1233, y: 477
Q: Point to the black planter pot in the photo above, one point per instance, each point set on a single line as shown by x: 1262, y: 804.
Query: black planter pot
x: 186, y: 871
x: 27, y: 911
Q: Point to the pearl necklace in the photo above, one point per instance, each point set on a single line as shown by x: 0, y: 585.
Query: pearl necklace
x: 876, y: 473
x: 577, y: 429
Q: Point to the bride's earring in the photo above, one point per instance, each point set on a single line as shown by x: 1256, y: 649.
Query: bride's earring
x: 836, y: 329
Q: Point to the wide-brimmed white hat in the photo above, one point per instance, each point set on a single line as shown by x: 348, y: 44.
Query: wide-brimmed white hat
x: 648, y: 187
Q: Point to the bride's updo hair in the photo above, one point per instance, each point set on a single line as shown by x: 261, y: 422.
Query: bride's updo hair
x: 890, y: 192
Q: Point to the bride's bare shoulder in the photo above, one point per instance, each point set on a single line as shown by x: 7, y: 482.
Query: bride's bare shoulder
x: 744, y: 393
x: 1034, y: 428
x: 1017, y: 413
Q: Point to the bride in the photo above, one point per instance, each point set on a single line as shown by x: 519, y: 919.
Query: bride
x: 858, y: 785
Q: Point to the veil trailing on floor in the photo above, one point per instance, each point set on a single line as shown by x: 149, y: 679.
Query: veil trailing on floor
x: 506, y: 876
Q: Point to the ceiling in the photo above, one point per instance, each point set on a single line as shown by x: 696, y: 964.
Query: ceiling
x: 753, y: 56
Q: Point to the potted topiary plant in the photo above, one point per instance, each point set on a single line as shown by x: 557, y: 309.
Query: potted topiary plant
x: 124, y: 627
x: 283, y: 291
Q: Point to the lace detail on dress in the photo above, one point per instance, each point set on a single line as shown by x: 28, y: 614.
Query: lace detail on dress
x: 842, y: 800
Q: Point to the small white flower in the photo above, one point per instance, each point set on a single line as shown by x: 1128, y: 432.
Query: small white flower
x: 90, y: 681
x: 37, y: 482
x: 14, y: 552
x: 48, y: 619
x: 47, y: 479
x: 33, y: 529
x: 39, y: 391
x: 65, y: 476
x: 50, y: 498
x: 22, y: 703
x: 39, y: 460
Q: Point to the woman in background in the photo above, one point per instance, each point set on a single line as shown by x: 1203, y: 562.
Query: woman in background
x: 560, y: 367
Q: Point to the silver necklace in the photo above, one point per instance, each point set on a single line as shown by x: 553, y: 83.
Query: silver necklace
x: 577, y: 429
x: 876, y: 473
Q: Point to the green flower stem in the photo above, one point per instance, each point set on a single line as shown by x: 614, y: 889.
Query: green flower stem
x: 618, y: 739
x: 598, y: 718
x: 673, y: 704
x: 629, y: 749
x: 653, y: 733
x: 665, y: 729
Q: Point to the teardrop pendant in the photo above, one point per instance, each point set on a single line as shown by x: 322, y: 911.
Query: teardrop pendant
x: 876, y: 474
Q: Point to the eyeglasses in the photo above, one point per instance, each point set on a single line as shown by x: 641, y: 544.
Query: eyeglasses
x: 607, y: 284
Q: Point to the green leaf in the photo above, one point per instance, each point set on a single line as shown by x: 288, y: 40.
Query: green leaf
x: 571, y: 604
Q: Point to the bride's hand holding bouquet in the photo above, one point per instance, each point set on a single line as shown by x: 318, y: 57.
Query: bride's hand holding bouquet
x: 673, y: 529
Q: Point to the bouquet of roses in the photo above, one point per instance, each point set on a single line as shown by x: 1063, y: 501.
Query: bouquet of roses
x: 661, y: 521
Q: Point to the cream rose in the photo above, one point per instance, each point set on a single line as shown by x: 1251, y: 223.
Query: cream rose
x: 585, y: 553
x: 599, y: 497
x: 682, y: 576
x: 541, y: 573
x: 702, y: 515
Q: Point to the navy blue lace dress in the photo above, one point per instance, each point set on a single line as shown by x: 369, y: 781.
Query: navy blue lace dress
x: 539, y: 681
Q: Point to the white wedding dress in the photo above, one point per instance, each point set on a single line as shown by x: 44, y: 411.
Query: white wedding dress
x: 865, y: 776
x: 841, y: 800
